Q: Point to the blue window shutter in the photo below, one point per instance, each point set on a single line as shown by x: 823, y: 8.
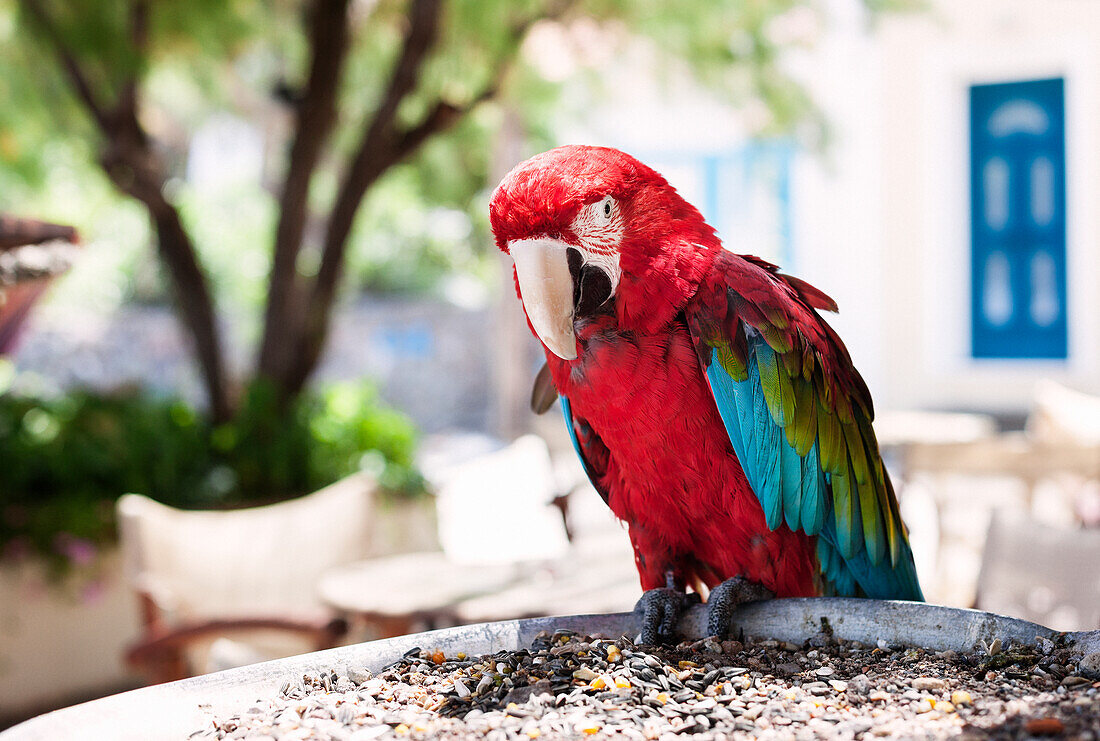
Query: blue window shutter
x: 1018, y: 220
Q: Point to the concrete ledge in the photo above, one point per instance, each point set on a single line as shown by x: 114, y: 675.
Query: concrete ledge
x: 174, y: 710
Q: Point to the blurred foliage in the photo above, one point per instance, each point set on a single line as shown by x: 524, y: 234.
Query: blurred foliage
x: 244, y: 57
x: 207, y: 62
x: 64, y: 461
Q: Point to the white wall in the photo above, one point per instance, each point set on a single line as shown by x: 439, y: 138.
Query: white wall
x: 62, y: 641
x: 836, y: 194
x: 883, y: 219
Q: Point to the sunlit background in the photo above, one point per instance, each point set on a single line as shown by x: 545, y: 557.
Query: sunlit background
x: 282, y: 283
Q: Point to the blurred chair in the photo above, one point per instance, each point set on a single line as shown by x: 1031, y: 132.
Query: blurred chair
x: 503, y: 507
x: 499, y: 525
x: 204, y: 576
x: 1062, y: 437
x: 1040, y: 573
x: 1060, y: 414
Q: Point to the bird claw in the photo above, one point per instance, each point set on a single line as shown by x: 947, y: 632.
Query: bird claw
x: 660, y: 611
x: 726, y: 597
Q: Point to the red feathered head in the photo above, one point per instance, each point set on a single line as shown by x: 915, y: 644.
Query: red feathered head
x: 593, y: 230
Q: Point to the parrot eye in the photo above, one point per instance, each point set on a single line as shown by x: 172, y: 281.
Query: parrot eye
x: 606, y: 207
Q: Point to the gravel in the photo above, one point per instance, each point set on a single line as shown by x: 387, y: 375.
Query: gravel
x: 567, y: 686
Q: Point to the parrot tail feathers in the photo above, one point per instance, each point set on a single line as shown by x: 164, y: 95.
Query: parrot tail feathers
x: 858, y: 577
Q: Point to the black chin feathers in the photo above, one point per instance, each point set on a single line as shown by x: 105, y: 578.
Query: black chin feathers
x: 591, y: 287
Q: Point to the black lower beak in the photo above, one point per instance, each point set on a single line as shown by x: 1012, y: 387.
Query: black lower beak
x: 591, y: 287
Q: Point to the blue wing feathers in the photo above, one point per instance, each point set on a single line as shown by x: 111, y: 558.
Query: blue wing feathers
x: 567, y: 412
x: 813, y: 492
x: 796, y: 490
x: 723, y: 389
x: 769, y: 436
x: 852, y: 576
x: 791, y: 485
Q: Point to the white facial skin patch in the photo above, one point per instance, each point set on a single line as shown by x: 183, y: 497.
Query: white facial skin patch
x: 545, y: 281
x: 599, y: 228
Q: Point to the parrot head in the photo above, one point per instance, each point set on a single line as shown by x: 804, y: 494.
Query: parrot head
x: 594, y: 231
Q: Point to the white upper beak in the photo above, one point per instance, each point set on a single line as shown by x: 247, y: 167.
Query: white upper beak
x: 542, y: 268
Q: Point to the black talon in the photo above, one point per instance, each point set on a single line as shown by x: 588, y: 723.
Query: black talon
x: 660, y: 611
x: 726, y: 597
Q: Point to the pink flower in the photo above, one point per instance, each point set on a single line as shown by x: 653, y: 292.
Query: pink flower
x: 92, y: 592
x: 80, y: 551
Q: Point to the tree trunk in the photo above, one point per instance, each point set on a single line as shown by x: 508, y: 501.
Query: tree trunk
x: 135, y: 170
x: 511, y: 348
x: 315, y: 116
x: 196, y: 307
x: 381, y: 147
x: 317, y: 316
x: 131, y: 164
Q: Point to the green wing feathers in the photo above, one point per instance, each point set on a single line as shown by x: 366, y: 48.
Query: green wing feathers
x: 762, y: 330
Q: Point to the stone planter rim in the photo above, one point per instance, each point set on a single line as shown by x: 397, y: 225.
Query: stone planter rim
x: 176, y: 709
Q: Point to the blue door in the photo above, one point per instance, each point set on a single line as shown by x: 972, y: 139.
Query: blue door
x: 1018, y: 220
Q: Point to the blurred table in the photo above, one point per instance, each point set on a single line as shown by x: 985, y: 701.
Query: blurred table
x: 398, y: 594
x: 395, y: 593
x: 597, y: 575
x: 895, y: 428
x: 913, y: 440
x: 948, y: 443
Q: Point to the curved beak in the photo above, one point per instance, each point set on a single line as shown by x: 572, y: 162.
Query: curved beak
x: 542, y: 268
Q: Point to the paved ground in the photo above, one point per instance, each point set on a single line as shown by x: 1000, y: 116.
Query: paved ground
x: 416, y: 350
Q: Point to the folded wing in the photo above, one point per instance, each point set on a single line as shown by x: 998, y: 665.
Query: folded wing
x: 798, y: 416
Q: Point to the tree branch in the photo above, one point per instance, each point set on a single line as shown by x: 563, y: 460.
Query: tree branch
x: 382, y: 147
x: 139, y: 27
x: 373, y: 156
x: 133, y: 167
x: 442, y: 116
x: 77, y: 76
x: 315, y: 117
x: 16, y: 232
x: 139, y: 42
x: 421, y: 35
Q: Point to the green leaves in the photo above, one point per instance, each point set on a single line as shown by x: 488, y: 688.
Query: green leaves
x: 64, y: 460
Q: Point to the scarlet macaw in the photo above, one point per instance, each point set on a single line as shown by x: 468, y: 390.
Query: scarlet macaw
x: 712, y: 407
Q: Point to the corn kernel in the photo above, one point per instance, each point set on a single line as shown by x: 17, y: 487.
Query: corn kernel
x: 534, y: 733
x: 662, y: 697
x: 961, y: 697
x: 622, y: 683
x: 401, y: 730
x: 438, y: 657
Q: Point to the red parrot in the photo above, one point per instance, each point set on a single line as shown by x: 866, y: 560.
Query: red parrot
x: 712, y: 407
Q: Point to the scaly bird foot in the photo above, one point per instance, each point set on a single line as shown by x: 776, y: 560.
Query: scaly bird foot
x: 660, y: 611
x: 726, y: 597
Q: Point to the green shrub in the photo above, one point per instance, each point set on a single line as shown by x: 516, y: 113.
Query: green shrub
x: 64, y: 461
